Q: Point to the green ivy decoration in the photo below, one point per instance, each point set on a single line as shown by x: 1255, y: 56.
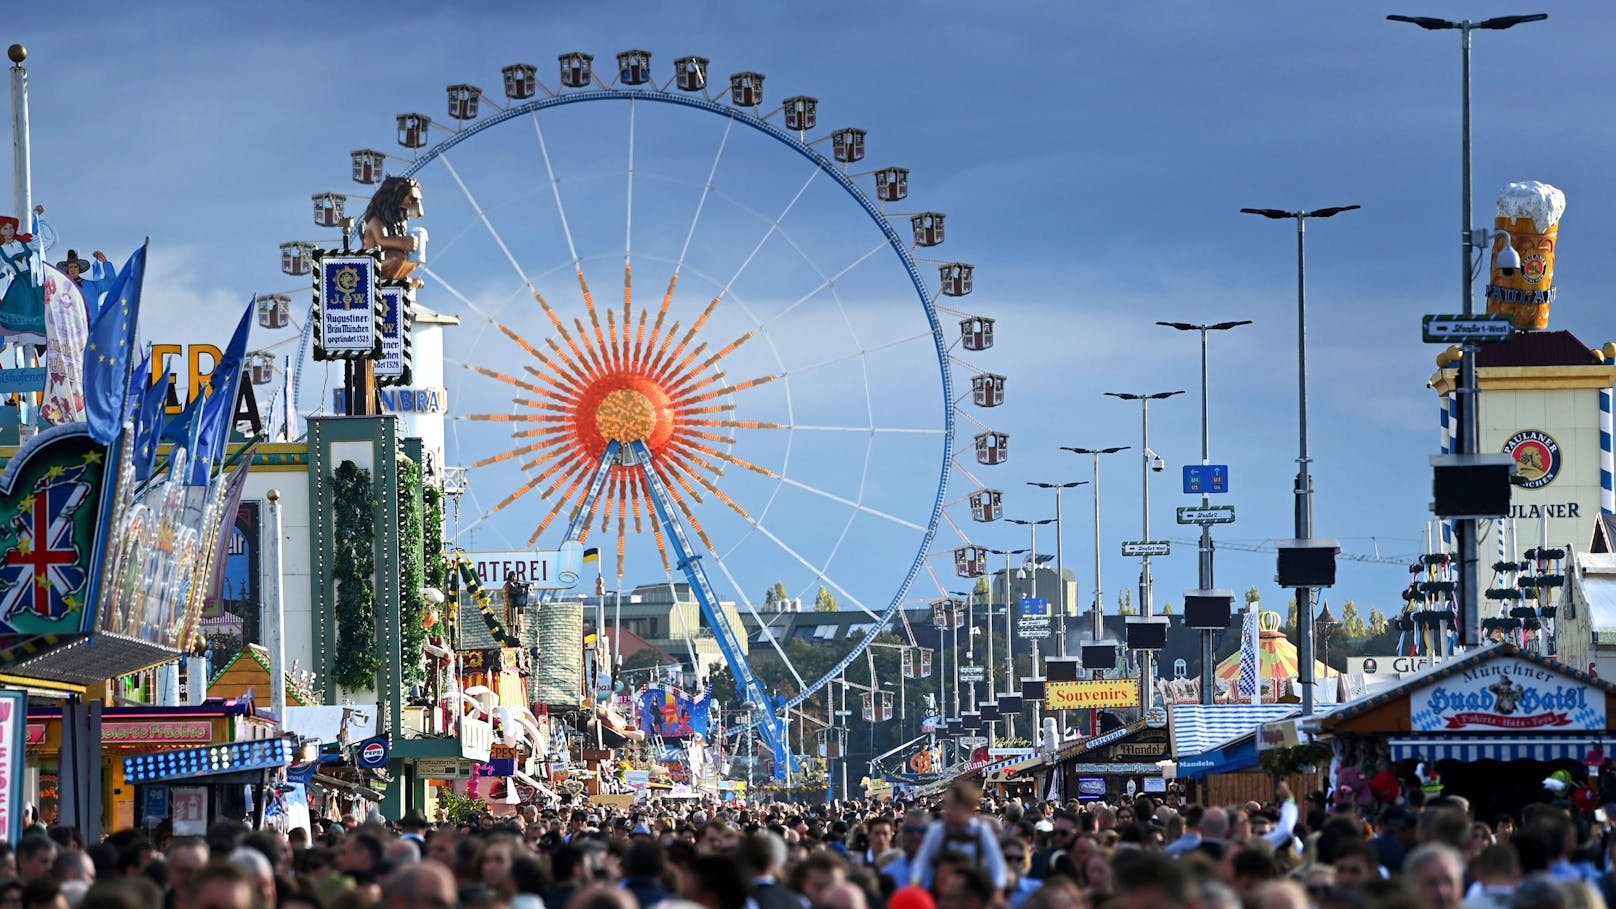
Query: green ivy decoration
x: 457, y: 808
x: 437, y: 564
x: 356, y: 660
x: 411, y: 569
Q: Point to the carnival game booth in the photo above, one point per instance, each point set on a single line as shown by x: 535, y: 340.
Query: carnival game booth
x: 1112, y: 765
x: 1492, y: 726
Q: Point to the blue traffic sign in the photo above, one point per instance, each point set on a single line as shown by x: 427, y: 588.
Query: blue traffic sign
x: 1204, y: 479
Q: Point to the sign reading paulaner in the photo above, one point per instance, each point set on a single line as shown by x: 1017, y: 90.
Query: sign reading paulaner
x: 1508, y: 693
x: 345, y: 304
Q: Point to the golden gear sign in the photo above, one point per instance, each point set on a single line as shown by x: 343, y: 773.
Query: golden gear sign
x: 1091, y: 694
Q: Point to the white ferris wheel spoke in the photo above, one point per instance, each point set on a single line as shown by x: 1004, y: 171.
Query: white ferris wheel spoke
x: 866, y: 429
x: 706, y: 190
x: 628, y: 217
x: 483, y: 216
x: 829, y: 282
x: 774, y: 227
x: 837, y: 361
x: 723, y: 567
x: 819, y: 573
x: 555, y: 189
x: 852, y: 504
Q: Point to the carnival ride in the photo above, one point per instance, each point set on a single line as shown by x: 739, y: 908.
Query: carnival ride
x: 786, y: 404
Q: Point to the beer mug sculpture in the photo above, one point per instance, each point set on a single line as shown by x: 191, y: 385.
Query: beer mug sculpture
x: 1529, y: 220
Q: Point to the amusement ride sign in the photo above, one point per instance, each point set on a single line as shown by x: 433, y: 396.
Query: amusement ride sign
x: 1508, y: 694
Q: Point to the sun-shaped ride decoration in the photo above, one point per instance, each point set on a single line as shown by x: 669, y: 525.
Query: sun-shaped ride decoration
x: 631, y: 384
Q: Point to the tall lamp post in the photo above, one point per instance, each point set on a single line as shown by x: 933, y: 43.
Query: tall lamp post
x: 1204, y: 573
x: 1009, y: 639
x: 1467, y: 435
x: 1060, y: 564
x: 1304, y: 481
x: 1033, y: 560
x: 1147, y: 605
x: 1098, y: 615
x: 1325, y: 627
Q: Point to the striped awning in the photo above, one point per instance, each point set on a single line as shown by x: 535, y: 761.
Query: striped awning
x: 1489, y: 748
x: 1199, y: 728
x: 1022, y: 765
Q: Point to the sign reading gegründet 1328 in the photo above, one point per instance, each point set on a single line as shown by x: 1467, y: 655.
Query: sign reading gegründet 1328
x: 1506, y: 694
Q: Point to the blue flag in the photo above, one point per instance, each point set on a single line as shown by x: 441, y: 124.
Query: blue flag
x: 219, y: 414
x: 149, y: 418
x: 107, y: 355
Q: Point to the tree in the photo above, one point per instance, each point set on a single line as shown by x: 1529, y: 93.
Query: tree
x: 825, y: 601
x: 1167, y: 609
x: 1290, y: 616
x: 1253, y: 595
x: 1125, y: 603
x: 1377, y: 622
x: 1352, y: 624
x: 981, y: 589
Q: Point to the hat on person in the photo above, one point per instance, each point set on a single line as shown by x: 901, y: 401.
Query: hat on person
x: 640, y: 830
x: 1044, y: 826
x: 593, y: 820
x: 84, y: 265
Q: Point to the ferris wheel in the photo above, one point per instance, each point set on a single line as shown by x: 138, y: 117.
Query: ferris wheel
x: 700, y: 334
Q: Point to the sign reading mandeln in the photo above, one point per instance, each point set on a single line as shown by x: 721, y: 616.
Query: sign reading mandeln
x: 1508, y: 694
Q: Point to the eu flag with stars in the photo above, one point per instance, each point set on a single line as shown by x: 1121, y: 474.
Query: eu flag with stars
x: 150, y: 412
x: 219, y: 414
x: 111, y: 344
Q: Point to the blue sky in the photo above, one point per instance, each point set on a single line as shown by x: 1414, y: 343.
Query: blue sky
x: 1091, y: 158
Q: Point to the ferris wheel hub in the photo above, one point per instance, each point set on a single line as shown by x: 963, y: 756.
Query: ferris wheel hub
x: 626, y: 415
x: 624, y: 408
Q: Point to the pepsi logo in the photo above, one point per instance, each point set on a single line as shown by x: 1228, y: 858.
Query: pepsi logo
x: 374, y: 753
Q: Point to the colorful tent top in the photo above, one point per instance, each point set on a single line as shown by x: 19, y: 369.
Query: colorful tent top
x: 1276, y: 655
x: 673, y: 714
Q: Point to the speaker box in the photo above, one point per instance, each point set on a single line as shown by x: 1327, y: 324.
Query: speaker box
x: 1099, y: 656
x: 990, y: 711
x: 1207, y: 609
x: 1009, y: 704
x: 1061, y: 669
x: 1307, y: 563
x: 1032, y: 690
x: 1471, y: 486
x: 1147, y: 635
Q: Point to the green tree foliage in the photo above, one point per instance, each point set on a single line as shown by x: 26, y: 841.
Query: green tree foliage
x: 1253, y: 595
x: 776, y: 594
x: 825, y: 601
x: 1125, y: 603
x: 981, y: 589
x: 1167, y: 609
x: 1352, y: 624
x: 1290, y: 616
x: 1377, y: 622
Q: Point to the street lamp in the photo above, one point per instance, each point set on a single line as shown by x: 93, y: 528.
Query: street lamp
x: 1060, y: 564
x: 1304, y: 482
x: 1204, y: 574
x: 1033, y: 557
x: 1467, y: 436
x: 1149, y: 461
x: 1009, y: 639
x: 1097, y: 629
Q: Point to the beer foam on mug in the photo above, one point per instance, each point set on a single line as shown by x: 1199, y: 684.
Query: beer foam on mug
x: 1541, y: 202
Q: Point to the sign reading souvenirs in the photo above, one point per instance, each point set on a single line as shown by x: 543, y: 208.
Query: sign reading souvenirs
x: 398, y: 309
x: 1537, y: 458
x: 1096, y: 693
x: 347, y: 309
x: 1508, y: 693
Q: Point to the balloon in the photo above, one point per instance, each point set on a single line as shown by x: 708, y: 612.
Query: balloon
x: 912, y: 897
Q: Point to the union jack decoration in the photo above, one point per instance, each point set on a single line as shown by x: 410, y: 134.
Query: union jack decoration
x: 41, y: 572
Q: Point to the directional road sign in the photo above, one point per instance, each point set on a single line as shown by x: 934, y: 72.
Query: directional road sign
x: 1211, y: 514
x: 973, y: 673
x: 1200, y: 479
x: 1450, y: 329
x: 1147, y: 548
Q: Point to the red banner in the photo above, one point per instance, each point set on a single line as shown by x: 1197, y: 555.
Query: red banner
x: 1462, y: 720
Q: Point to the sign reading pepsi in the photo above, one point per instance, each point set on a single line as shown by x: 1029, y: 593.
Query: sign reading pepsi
x: 1508, y: 693
x: 373, y: 752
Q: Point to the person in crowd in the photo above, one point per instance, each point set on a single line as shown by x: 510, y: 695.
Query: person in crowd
x: 961, y: 830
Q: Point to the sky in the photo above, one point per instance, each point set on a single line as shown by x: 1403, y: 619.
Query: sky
x: 1091, y: 158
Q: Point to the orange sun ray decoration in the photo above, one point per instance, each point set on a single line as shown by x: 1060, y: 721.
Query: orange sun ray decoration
x: 637, y: 378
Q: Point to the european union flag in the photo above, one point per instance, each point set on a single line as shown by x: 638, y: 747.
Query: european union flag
x: 106, y: 356
x: 149, y: 418
x: 219, y: 414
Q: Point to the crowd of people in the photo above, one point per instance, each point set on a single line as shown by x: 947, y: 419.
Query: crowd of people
x: 964, y: 852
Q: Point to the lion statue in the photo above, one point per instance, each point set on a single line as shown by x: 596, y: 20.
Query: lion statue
x: 386, y: 225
